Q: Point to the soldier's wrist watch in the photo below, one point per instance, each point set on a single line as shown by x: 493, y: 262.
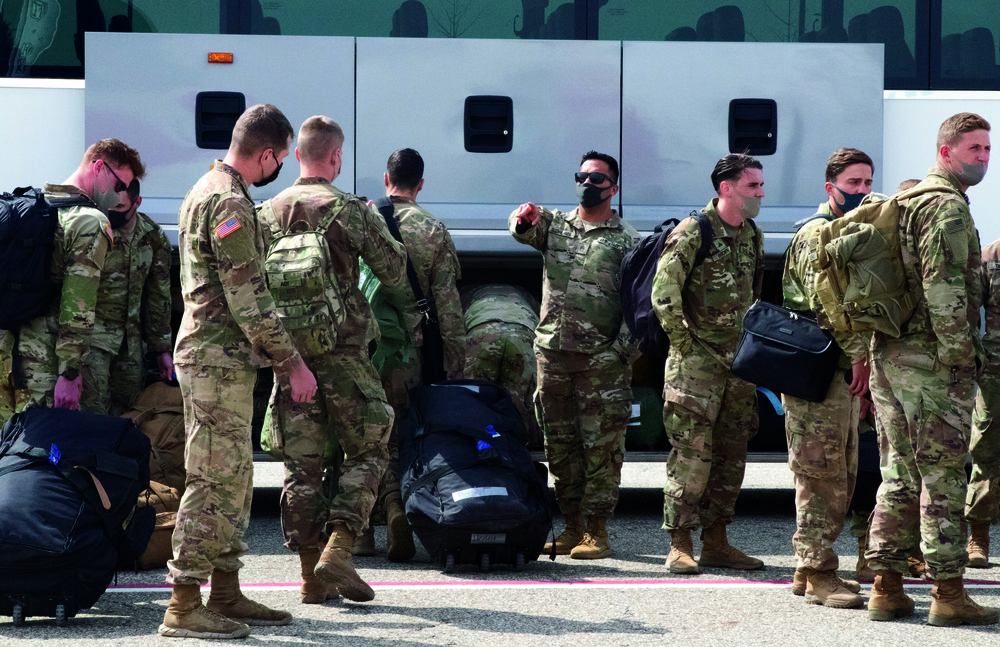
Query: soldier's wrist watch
x: 71, y: 374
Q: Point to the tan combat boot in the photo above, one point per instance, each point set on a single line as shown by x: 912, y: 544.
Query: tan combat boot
x: 863, y: 570
x: 186, y: 617
x: 314, y: 590
x: 825, y: 588
x: 335, y: 566
x: 569, y: 538
x: 399, y: 537
x: 799, y: 583
x: 595, y: 543
x: 227, y: 600
x: 364, y: 544
x: 888, y: 601
x: 979, y: 546
x: 681, y: 557
x: 951, y: 606
x: 717, y: 553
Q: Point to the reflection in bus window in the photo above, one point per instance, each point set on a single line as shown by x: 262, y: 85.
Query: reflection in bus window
x: 969, y: 34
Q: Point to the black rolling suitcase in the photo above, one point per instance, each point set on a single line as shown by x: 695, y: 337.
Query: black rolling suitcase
x: 69, y: 483
x: 472, y: 493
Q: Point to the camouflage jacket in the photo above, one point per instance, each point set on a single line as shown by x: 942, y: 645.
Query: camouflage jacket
x: 83, y: 236
x: 707, y: 303
x: 133, y: 301
x: 356, y: 232
x: 229, y: 318
x: 505, y: 304
x: 435, y: 261
x: 941, y: 257
x: 799, y: 286
x: 581, y: 306
x: 991, y: 303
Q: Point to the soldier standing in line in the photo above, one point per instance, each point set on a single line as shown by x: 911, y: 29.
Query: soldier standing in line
x: 133, y: 304
x: 707, y: 411
x: 922, y: 385
x: 230, y: 328
x: 351, y: 404
x: 584, y: 352
x: 823, y: 436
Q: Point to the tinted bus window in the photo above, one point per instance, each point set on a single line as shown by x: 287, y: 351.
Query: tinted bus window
x: 965, y: 46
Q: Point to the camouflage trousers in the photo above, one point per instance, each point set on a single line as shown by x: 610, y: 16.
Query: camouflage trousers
x: 39, y: 364
x: 584, y: 403
x: 823, y: 457
x: 12, y: 399
x: 709, y: 417
x: 923, y: 413
x: 218, y: 456
x: 503, y: 353
x: 110, y: 381
x: 351, y: 404
x: 397, y: 383
x: 982, y: 505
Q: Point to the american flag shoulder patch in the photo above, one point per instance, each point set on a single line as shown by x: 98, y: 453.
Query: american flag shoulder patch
x: 227, y: 227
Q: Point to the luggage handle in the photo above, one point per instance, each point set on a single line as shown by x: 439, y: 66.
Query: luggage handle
x: 105, y: 501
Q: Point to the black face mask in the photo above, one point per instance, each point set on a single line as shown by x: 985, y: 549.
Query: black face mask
x: 270, y: 178
x: 118, y: 218
x: 590, y: 195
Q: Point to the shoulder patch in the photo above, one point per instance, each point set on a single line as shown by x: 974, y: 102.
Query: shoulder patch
x: 227, y: 227
x: 107, y: 230
x: 953, y: 225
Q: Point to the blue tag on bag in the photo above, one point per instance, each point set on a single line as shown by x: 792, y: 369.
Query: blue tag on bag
x: 491, y: 431
x: 54, y: 454
x: 480, y: 445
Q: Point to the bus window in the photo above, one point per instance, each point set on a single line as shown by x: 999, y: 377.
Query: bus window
x: 965, y: 56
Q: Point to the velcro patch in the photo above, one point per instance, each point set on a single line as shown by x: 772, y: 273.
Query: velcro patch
x: 227, y: 227
x: 953, y: 225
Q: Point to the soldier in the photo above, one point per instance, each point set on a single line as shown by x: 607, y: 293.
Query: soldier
x: 823, y: 436
x: 133, y: 304
x: 229, y: 329
x: 435, y: 261
x: 351, y: 403
x: 708, y: 412
x: 584, y: 352
x: 53, y: 347
x: 922, y: 385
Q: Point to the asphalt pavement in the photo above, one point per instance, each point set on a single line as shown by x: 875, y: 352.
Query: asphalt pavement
x: 629, y: 599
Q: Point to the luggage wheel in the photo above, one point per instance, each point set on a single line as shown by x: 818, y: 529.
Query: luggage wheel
x: 449, y: 563
x: 484, y: 562
x: 18, y: 615
x: 519, y: 561
x: 61, y: 620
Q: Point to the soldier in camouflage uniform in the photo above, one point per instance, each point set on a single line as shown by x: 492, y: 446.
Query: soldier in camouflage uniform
x: 708, y: 413
x: 435, y: 261
x: 584, y: 352
x: 230, y: 328
x: 823, y: 436
x: 922, y: 385
x: 351, y: 403
x: 133, y: 304
x: 53, y: 347
x: 500, y: 322
x: 982, y: 505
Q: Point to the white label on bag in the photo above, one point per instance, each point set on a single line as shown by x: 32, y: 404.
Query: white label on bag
x: 636, y: 411
x: 476, y: 492
x: 483, y: 538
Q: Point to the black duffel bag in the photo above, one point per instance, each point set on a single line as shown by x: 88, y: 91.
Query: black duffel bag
x: 787, y: 352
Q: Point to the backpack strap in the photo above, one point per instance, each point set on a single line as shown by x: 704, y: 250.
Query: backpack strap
x: 387, y: 209
x: 707, y: 237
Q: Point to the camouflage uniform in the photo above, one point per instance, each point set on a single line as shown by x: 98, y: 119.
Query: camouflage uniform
x: 922, y: 385
x: 501, y: 320
x: 584, y: 353
x: 12, y: 400
x: 133, y: 304
x: 53, y: 343
x: 229, y: 329
x: 707, y: 412
x: 350, y: 402
x: 433, y: 255
x: 982, y: 506
x: 822, y: 436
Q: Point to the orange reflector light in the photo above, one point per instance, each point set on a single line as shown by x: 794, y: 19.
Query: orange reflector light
x: 220, y: 57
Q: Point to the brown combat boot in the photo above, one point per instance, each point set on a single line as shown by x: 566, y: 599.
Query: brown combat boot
x: 335, y: 566
x: 863, y: 571
x: 595, y: 543
x: 186, y: 617
x: 314, y: 590
x: 888, y: 601
x: 569, y: 538
x: 364, y: 544
x: 227, y: 600
x: 717, y: 553
x: 681, y: 557
x: 399, y: 537
x: 979, y: 546
x: 799, y: 583
x: 825, y: 588
x: 951, y: 606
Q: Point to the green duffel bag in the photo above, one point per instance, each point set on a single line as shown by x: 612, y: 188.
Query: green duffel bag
x: 645, y: 430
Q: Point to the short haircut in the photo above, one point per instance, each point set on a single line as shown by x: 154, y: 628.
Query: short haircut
x: 405, y: 168
x: 843, y: 158
x: 731, y: 166
x: 907, y: 184
x: 117, y: 154
x: 319, y: 136
x: 261, y: 127
x: 132, y: 190
x: 607, y: 159
x: 957, y: 125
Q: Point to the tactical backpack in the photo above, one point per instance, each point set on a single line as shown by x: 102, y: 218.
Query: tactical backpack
x: 306, y: 294
x: 860, y: 278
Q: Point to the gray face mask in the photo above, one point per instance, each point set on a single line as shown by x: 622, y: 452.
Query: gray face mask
x: 751, y: 206
x: 972, y: 174
x: 107, y: 200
